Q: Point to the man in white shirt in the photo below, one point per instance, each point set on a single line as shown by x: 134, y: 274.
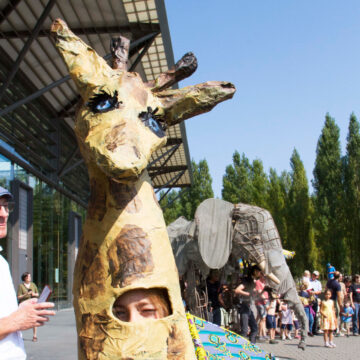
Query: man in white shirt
x: 14, y: 319
x: 316, y: 288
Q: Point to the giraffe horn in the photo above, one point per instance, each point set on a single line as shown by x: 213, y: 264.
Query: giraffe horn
x: 85, y: 66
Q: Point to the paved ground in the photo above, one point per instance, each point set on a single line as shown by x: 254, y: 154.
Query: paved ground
x: 57, y: 341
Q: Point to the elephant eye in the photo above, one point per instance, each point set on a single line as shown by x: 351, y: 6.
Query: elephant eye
x: 150, y: 119
x: 103, y: 102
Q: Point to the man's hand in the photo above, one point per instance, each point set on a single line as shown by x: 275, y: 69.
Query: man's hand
x: 32, y: 314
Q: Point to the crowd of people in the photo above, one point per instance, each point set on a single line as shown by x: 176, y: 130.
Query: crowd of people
x: 332, y: 307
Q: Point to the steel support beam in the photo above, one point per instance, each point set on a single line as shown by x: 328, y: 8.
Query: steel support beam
x: 175, y: 198
x: 26, y: 47
x: 8, y: 9
x: 143, y: 52
x: 172, y: 150
x: 173, y: 180
x: 134, y: 46
x: 158, y: 170
x: 67, y: 162
x: 25, y: 165
x: 134, y: 28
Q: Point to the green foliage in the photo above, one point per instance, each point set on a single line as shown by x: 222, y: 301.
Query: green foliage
x: 299, y: 212
x: 245, y: 182
x: 185, y: 201
x: 352, y: 193
x: 329, y: 195
x: 171, y: 206
x: 201, y: 189
x: 277, y: 203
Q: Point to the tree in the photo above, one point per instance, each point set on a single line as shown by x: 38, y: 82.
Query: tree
x: 200, y: 190
x: 352, y: 192
x: 300, y: 232
x: 237, y: 180
x: 277, y: 202
x: 328, y: 195
x: 170, y: 204
x: 259, y: 184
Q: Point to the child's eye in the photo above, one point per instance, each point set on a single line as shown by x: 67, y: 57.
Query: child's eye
x: 103, y: 102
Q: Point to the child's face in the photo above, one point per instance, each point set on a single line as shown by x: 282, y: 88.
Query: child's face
x: 327, y: 295
x: 347, y: 304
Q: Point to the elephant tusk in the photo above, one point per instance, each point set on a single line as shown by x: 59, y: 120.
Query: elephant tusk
x: 270, y: 276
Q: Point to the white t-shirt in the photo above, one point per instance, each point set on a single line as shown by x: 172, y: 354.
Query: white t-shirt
x: 315, y: 285
x: 12, y: 346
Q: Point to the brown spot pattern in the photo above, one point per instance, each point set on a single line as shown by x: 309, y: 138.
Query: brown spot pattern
x: 92, y: 272
x: 175, y: 344
x: 97, y: 203
x: 91, y: 335
x: 115, y: 137
x: 129, y: 256
x: 125, y: 197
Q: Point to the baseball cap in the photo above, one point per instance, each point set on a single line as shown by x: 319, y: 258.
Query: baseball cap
x: 316, y: 273
x: 5, y: 192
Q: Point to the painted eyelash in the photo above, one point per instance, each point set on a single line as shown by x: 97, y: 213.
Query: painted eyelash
x: 104, y: 102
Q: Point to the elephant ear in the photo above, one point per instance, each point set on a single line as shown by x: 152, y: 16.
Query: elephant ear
x: 214, y: 224
x: 180, y: 233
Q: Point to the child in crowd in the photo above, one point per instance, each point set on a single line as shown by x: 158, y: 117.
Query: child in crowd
x: 346, y: 317
x: 270, y: 317
x: 296, y: 325
x: 286, y: 321
x: 328, y: 319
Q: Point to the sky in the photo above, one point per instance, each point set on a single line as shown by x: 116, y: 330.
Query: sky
x: 291, y: 62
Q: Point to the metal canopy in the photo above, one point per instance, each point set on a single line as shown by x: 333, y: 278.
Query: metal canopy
x: 38, y: 98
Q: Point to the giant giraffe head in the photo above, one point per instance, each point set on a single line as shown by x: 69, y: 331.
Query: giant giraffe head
x: 122, y: 120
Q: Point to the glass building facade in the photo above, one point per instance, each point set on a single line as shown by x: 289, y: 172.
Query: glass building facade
x: 54, y: 229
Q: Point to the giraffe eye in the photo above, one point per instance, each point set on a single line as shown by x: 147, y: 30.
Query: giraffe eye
x: 150, y: 120
x: 104, y: 102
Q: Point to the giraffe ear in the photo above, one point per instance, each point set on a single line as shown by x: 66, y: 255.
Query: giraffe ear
x: 85, y: 66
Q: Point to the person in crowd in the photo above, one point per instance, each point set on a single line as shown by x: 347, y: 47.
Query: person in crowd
x: 336, y: 295
x: 328, y: 319
x: 261, y: 301
x: 306, y: 277
x: 296, y: 325
x: 286, y: 321
x: 213, y: 288
x: 346, y: 317
x: 14, y: 318
x: 246, y: 291
x: 347, y: 282
x: 316, y: 289
x: 330, y: 270
x: 271, y: 316
x: 27, y: 290
x: 225, y: 300
x: 306, y: 298
x: 141, y: 304
x: 355, y: 303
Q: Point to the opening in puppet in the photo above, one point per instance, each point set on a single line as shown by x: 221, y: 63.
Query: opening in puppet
x: 140, y: 304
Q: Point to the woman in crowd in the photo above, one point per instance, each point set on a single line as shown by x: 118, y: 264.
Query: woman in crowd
x: 27, y: 290
x: 306, y: 299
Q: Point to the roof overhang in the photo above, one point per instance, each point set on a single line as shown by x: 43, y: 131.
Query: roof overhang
x: 38, y: 98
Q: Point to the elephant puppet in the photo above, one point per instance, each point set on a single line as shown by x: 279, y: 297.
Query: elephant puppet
x: 256, y: 239
x: 120, y: 123
x: 221, y: 229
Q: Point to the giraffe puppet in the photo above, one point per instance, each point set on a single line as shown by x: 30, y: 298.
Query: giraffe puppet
x: 125, y: 245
